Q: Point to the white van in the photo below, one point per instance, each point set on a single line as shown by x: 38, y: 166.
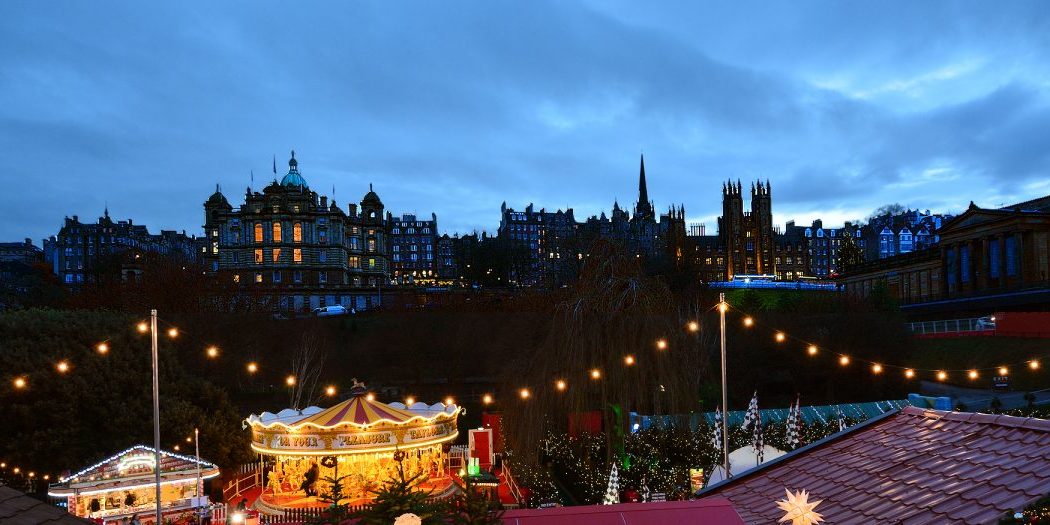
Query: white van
x: 330, y: 310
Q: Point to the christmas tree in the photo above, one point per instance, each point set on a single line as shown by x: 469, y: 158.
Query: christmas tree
x: 400, y: 495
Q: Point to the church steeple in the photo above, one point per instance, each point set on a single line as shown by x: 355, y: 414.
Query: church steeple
x: 643, y: 208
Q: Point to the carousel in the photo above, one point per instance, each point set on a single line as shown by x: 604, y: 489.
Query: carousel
x: 359, y: 441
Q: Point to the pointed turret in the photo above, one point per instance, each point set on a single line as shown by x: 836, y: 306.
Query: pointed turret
x: 643, y: 208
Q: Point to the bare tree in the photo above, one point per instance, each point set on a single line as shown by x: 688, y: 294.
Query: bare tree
x: 308, y: 361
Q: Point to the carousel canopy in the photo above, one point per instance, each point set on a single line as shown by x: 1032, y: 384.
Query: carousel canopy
x: 131, y: 467
x: 358, y: 410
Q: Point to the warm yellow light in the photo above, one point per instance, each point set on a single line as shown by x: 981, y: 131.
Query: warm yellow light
x: 812, y: 350
x: 844, y: 360
x: 780, y: 337
x: 410, y: 401
x: 722, y: 307
x: 1033, y: 364
x: 370, y: 397
x: 1003, y: 371
x: 252, y: 367
x: 972, y: 374
x: 62, y: 367
x: 628, y: 360
x: 909, y: 373
x: 3, y: 465
x: 290, y: 380
x: 524, y: 393
x: 16, y: 470
x: 942, y: 375
x: 173, y: 332
x: 450, y: 401
x: 32, y: 474
x: 749, y: 322
x: 596, y: 374
x: 561, y: 385
x: 176, y: 448
x: 661, y: 344
x: 486, y: 399
x: 329, y: 390
x: 876, y: 368
x: 20, y: 382
x: 189, y: 439
x: 212, y: 352
x: 47, y: 477
x: 102, y: 348
x: 693, y: 326
x: 143, y: 327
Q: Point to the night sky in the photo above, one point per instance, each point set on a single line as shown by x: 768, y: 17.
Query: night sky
x: 455, y: 107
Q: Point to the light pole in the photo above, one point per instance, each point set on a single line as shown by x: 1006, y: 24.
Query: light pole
x: 197, y: 492
x: 725, y: 396
x: 156, y: 409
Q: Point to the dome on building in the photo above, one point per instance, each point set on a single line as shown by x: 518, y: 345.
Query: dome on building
x: 371, y: 197
x: 293, y: 178
x: 217, y: 197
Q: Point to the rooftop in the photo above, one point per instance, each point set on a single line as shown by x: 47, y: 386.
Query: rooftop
x: 912, y: 466
x: 17, y: 508
x: 709, y: 511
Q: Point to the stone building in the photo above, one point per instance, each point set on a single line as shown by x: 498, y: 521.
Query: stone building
x: 413, y: 249
x: 822, y: 245
x: 294, y: 250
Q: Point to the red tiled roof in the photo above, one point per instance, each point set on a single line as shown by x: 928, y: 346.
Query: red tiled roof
x: 914, y: 466
x: 709, y: 511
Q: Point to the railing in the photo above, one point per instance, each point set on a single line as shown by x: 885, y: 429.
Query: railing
x: 512, y: 484
x: 774, y: 285
x: 246, y: 477
x: 948, y: 326
x: 457, y: 457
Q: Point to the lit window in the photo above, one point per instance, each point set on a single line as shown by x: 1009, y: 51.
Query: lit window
x: 276, y: 254
x: 371, y: 245
x: 236, y: 277
x: 258, y: 256
x: 355, y: 261
x: 297, y: 255
x: 276, y: 232
x: 258, y: 233
x: 258, y: 277
x: 297, y: 232
x: 371, y: 262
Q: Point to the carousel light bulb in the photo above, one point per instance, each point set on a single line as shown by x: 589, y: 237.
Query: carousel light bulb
x: 212, y: 352
x: 812, y: 350
x: 693, y: 326
x: 942, y: 375
x: 62, y: 367
x: 972, y: 374
x: 561, y: 385
x: 661, y: 344
x: 450, y: 401
x: 876, y: 368
x: 290, y: 380
x: 330, y: 391
x: 252, y: 367
x: 102, y: 348
x: 1003, y: 371
x: 524, y: 393
x: 173, y: 332
x: 596, y: 374
x: 749, y: 322
x: 780, y: 337
x: 909, y: 373
x: 628, y: 360
x: 844, y: 360
x: 20, y: 382
x: 1033, y: 364
x: 410, y: 400
x: 486, y: 399
x: 142, y: 327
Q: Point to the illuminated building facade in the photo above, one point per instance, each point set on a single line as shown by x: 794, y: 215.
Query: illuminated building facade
x: 413, y: 249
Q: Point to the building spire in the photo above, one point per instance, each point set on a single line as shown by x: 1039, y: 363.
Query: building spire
x: 643, y: 192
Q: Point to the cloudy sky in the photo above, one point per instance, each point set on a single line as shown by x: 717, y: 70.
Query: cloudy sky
x: 454, y: 107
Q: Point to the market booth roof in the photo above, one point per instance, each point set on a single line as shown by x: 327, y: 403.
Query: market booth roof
x: 131, y: 468
x: 909, y: 466
x: 711, y: 511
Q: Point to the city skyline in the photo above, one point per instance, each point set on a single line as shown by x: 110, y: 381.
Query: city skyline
x: 456, y: 111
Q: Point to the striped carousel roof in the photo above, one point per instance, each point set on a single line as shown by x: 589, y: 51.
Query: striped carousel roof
x: 359, y: 411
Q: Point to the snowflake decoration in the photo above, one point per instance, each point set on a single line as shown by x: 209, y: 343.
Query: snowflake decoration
x: 798, y: 510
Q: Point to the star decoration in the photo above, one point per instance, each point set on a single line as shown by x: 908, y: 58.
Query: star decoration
x: 798, y: 510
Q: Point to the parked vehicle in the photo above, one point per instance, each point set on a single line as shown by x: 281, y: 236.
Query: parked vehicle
x: 986, y: 323
x: 330, y: 310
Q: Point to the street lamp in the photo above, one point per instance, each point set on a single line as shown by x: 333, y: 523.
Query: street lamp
x: 722, y: 307
x: 156, y: 406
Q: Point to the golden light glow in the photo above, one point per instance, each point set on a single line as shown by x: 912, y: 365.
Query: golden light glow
x: 909, y: 373
x: 212, y: 352
x: 1003, y: 371
x: 32, y: 474
x: 876, y: 368
x: 693, y: 326
x: 290, y: 380
x: 410, y: 401
x: 942, y: 375
x: 173, y: 332
x: 749, y: 322
x: 189, y: 439
x: 780, y: 337
x: 628, y: 360
x: 972, y: 374
x: 3, y: 465
x: 722, y: 307
x: 844, y: 360
x: 102, y: 348
x: 176, y: 448
x: 524, y: 393
x: 486, y: 399
x: 47, y: 477
x: 20, y: 382
x: 62, y: 367
x: 596, y: 374
x: 450, y: 401
x: 561, y: 385
x: 1033, y: 364
x: 812, y: 350
x: 329, y: 390
x: 16, y: 470
x: 370, y: 397
x: 661, y: 344
x: 252, y: 367
x: 143, y: 327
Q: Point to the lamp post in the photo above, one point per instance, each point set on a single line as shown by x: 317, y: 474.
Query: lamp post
x: 156, y: 409
x: 725, y: 395
x: 197, y: 491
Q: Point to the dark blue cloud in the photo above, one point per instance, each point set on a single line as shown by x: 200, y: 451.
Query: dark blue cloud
x: 454, y: 107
